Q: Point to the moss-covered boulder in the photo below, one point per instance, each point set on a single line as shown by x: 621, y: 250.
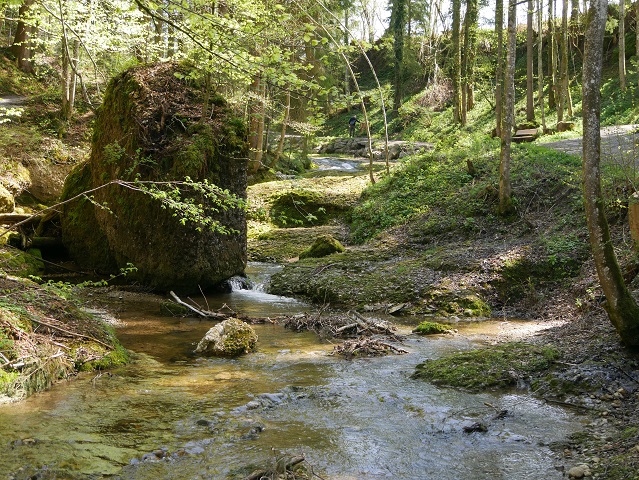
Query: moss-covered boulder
x: 7, y: 203
x: 432, y: 328
x: 230, y: 338
x: 21, y: 264
x: 323, y: 246
x: 150, y: 129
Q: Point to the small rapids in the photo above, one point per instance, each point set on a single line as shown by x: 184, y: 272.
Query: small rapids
x: 172, y: 415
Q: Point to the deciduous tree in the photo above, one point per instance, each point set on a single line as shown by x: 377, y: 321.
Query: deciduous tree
x: 622, y: 309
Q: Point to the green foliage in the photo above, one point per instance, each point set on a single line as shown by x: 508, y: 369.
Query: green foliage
x: 193, y: 202
x: 498, y: 366
x: 431, y: 328
x: 298, y: 208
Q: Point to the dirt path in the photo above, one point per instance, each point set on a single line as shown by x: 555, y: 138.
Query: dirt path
x: 11, y: 101
x: 619, y: 143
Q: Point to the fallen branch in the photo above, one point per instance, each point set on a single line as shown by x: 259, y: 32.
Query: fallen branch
x: 202, y: 313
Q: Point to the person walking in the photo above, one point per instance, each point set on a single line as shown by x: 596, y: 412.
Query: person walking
x: 351, y: 126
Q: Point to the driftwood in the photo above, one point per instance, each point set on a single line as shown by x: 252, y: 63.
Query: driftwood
x: 200, y: 312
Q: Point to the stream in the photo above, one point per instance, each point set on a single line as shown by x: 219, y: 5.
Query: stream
x: 172, y: 415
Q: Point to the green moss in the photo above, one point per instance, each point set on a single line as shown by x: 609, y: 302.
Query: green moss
x: 22, y: 264
x: 431, y: 328
x: 497, y: 366
x: 299, y: 208
x: 7, y: 381
x: 118, y: 356
x: 323, y: 246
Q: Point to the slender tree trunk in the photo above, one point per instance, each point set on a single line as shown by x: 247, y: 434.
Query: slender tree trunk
x: 21, y: 42
x: 456, y: 4
x: 505, y: 190
x: 256, y: 126
x: 622, y: 44
x: 621, y: 307
x: 530, y: 89
x: 463, y: 106
x: 552, y: 58
x: 280, y: 145
x: 347, y: 78
x: 540, y: 64
x: 399, y: 22
x: 66, y: 80
x: 470, y: 48
x: 499, y: 71
x: 637, y: 36
x: 563, y: 67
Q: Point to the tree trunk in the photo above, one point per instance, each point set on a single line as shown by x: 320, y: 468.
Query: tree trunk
x: 280, y: 145
x: 499, y: 71
x: 470, y: 47
x: 256, y: 126
x: 530, y: 89
x: 21, y: 41
x: 564, y: 61
x: 552, y: 58
x: 540, y: 64
x: 456, y: 60
x: 621, y: 307
x: 347, y: 78
x: 622, y: 44
x: 398, y: 17
x: 505, y: 193
x: 637, y: 35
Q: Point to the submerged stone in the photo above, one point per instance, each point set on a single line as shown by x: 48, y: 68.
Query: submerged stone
x: 230, y: 338
x: 150, y: 129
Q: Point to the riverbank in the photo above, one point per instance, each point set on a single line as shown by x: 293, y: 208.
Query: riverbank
x: 47, y: 336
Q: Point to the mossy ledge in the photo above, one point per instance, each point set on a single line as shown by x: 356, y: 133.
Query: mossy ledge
x: 494, y: 367
x: 45, y: 337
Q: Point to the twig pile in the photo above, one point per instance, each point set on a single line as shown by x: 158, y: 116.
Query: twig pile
x: 351, y: 324
x: 369, y: 347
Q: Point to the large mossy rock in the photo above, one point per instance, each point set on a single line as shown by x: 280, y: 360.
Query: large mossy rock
x: 323, y: 246
x: 230, y: 338
x: 150, y: 128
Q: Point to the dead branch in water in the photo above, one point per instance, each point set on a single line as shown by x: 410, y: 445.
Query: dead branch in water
x: 200, y: 312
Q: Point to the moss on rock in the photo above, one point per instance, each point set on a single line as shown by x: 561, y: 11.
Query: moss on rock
x: 497, y: 366
x: 323, y: 246
x: 22, y: 264
x: 7, y: 203
x: 432, y: 328
x: 149, y: 128
x: 230, y: 338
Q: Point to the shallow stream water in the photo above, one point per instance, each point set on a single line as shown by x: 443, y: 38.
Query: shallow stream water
x: 172, y: 415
